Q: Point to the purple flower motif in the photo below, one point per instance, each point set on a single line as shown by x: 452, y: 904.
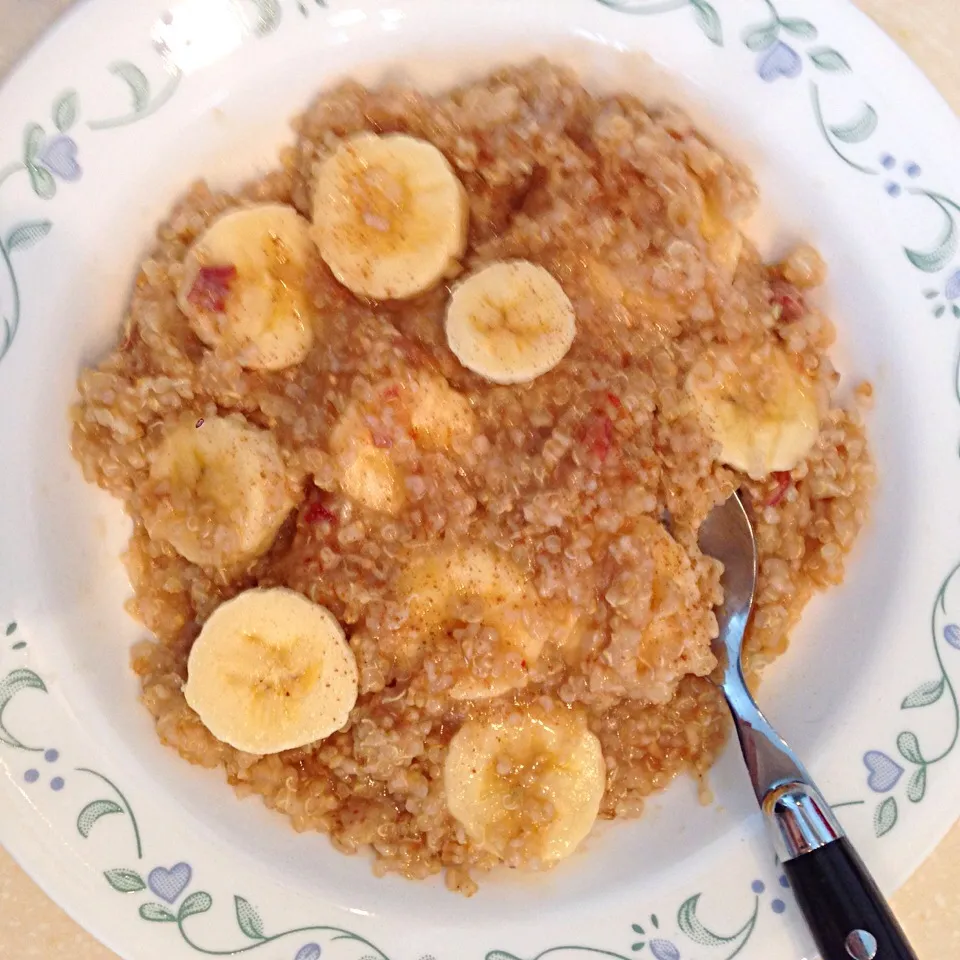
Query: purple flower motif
x: 952, y: 292
x: 309, y: 951
x: 58, y: 156
x: 664, y: 950
x: 884, y: 773
x: 169, y: 884
x: 779, y: 61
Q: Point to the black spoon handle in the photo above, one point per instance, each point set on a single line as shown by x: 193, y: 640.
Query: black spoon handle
x: 847, y: 915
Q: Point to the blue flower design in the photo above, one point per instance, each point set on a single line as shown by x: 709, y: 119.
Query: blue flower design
x: 951, y: 632
x: 884, y: 773
x: 779, y: 60
x: 940, y: 302
x: 952, y: 292
x: 58, y: 156
x: 664, y: 950
x: 309, y: 951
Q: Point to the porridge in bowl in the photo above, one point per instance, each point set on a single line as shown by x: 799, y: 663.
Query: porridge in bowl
x: 416, y: 433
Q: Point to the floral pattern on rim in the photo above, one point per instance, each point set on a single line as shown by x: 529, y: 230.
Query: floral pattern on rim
x: 47, y: 158
x: 689, y: 926
x: 705, y: 14
x: 167, y: 884
x: 883, y: 772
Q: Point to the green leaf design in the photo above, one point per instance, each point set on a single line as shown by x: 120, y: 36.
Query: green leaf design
x: 248, y: 919
x: 33, y: 137
x: 25, y: 235
x: 859, y: 129
x: 125, y: 881
x: 924, y: 695
x: 691, y: 926
x: 136, y: 80
x: 199, y: 902
x: 799, y: 27
x: 940, y: 311
x: 64, y: 110
x: 932, y: 261
x: 826, y: 58
x: 708, y: 20
x: 268, y: 16
x: 759, y: 38
x: 917, y: 786
x: 92, y: 812
x: 44, y: 186
x: 909, y: 747
x: 156, y: 913
x: 955, y: 309
x: 11, y: 628
x: 885, y: 816
x: 500, y: 955
x: 18, y: 680
x: 10, y: 686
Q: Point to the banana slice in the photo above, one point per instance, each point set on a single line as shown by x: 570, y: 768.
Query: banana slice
x: 724, y: 239
x: 759, y: 407
x: 676, y: 639
x: 439, y: 416
x: 218, y: 491
x: 367, y: 473
x: 529, y: 784
x: 243, y: 286
x: 389, y: 215
x: 434, y: 586
x: 271, y: 671
x: 511, y: 322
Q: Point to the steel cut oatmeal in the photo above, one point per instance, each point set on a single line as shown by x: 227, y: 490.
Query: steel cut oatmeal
x: 416, y: 432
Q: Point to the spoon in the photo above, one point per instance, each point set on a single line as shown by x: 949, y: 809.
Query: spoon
x: 844, y: 909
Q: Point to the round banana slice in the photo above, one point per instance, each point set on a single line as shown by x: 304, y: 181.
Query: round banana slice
x: 434, y: 586
x: 672, y: 621
x: 218, y: 491
x: 243, y: 286
x: 759, y: 407
x: 529, y: 784
x: 271, y: 671
x: 367, y: 473
x: 511, y: 322
x: 389, y: 215
x: 724, y: 239
x: 439, y: 416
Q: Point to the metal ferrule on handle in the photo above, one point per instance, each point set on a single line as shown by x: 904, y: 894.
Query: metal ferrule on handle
x: 799, y: 820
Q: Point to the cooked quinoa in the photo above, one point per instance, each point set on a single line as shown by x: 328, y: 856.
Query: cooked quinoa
x: 564, y: 475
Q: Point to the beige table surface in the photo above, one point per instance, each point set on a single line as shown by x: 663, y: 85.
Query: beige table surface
x: 32, y: 926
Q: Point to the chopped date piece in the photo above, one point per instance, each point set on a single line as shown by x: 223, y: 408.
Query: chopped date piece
x: 598, y: 435
x: 782, y: 477
x: 381, y: 437
x: 787, y: 302
x: 317, y: 512
x: 210, y: 289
